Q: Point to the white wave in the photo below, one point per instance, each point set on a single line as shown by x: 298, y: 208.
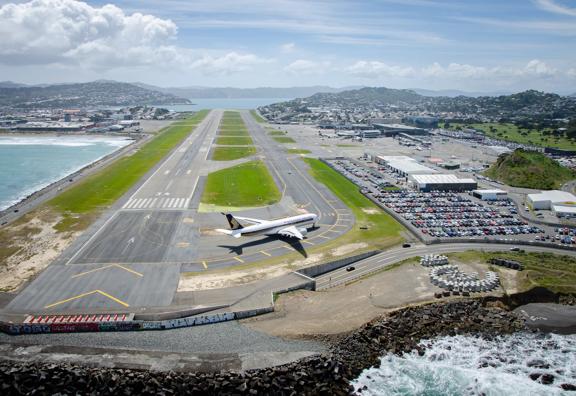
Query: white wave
x: 466, y: 365
x: 68, y: 141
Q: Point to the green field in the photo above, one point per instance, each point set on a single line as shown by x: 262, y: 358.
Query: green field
x: 383, y: 231
x: 512, y: 133
x: 229, y: 153
x: 257, y: 116
x: 555, y: 272
x: 529, y: 169
x: 234, y: 140
x: 232, y: 125
x: 284, y: 139
x: 244, y: 185
x: 103, y: 188
x: 298, y: 151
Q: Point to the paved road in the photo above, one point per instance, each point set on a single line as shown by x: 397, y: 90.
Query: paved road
x: 389, y: 257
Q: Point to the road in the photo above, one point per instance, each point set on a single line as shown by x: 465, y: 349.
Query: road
x: 393, y: 256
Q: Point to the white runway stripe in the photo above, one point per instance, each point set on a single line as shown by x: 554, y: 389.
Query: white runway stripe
x: 145, y: 203
x: 127, y: 204
x: 186, y: 203
x: 153, y: 203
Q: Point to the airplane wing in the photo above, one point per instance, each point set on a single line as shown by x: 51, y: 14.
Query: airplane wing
x: 291, y: 232
x: 253, y: 221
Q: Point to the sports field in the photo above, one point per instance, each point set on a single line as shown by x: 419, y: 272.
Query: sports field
x: 246, y: 185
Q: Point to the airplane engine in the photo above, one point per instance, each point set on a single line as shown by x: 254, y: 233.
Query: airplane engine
x: 303, y: 231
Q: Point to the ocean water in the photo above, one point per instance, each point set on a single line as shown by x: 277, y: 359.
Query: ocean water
x: 30, y: 163
x: 466, y: 365
x: 224, y: 103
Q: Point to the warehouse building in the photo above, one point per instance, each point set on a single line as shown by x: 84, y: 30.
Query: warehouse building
x: 442, y: 182
x: 403, y: 166
x: 545, y: 200
x: 390, y: 130
x: 491, y: 195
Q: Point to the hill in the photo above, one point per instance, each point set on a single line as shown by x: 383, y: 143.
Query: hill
x: 83, y: 95
x: 529, y: 169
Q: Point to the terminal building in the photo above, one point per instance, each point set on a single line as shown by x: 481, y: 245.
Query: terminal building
x: 491, y: 195
x: 391, y: 130
x: 442, y: 182
x: 422, y: 121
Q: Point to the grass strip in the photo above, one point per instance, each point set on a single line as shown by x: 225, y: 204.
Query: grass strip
x: 298, y: 151
x: 102, y: 189
x: 247, y: 185
x: 229, y: 153
x: 234, y: 140
x: 284, y: 139
x: 257, y: 116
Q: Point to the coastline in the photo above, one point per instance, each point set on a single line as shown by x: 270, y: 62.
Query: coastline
x: 34, y: 199
x: 330, y: 373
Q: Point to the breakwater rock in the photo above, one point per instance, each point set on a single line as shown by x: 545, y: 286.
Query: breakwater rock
x: 323, y: 374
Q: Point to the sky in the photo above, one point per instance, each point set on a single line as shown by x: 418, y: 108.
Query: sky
x: 469, y: 45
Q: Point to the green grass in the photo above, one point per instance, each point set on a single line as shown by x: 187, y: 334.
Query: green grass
x: 276, y: 133
x: 284, y: 139
x: 383, y: 230
x: 238, y: 131
x: 298, y: 151
x: 244, y: 185
x: 554, y: 272
x: 232, y: 125
x: 529, y: 169
x: 512, y: 133
x: 229, y: 153
x: 103, y: 188
x: 257, y: 116
x: 346, y: 145
x: 234, y: 140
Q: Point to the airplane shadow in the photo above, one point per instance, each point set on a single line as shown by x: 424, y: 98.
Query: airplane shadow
x: 293, y: 242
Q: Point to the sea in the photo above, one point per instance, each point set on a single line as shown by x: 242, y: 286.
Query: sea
x: 224, y: 103
x: 30, y: 163
x: 468, y: 365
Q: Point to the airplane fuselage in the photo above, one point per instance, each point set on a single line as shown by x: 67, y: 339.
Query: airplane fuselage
x: 273, y: 227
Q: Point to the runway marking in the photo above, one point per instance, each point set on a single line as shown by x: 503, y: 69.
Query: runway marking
x: 189, y: 171
x: 169, y: 184
x: 91, y: 238
x: 339, y: 225
x: 308, y: 242
x: 167, y: 172
x: 325, y: 237
x: 88, y: 294
x: 238, y: 259
x: 187, y: 203
x: 106, y: 267
x: 265, y: 253
x: 204, y: 264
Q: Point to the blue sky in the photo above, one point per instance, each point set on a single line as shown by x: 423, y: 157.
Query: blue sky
x: 506, y: 45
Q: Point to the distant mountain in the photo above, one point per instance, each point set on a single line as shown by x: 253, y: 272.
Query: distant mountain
x: 10, y: 84
x: 242, y: 93
x: 84, y: 95
x: 454, y: 92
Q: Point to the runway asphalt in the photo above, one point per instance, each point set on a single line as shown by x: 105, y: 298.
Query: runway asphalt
x: 155, y: 230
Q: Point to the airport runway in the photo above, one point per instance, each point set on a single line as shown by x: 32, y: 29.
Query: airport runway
x: 132, y: 256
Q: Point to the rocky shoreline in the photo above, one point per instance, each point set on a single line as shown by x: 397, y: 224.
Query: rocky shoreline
x: 323, y: 374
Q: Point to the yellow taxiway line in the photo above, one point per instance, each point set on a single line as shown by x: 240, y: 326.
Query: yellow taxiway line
x: 88, y: 294
x: 106, y: 267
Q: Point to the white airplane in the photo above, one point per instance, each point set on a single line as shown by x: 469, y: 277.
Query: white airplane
x: 294, y: 227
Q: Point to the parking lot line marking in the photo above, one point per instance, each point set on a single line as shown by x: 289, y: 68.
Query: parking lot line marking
x: 106, y: 267
x: 204, y: 264
x: 265, y: 253
x: 88, y: 294
x: 238, y: 259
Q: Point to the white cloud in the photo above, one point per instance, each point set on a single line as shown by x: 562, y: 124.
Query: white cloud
x: 539, y: 69
x: 227, y: 64
x: 552, y: 6
x: 375, y: 69
x: 571, y: 72
x: 288, y: 47
x: 303, y: 66
x: 64, y: 31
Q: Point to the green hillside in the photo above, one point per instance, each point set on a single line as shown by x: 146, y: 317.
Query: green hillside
x: 529, y: 169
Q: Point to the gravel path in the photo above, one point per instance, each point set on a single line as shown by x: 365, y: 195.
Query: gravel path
x: 228, y: 337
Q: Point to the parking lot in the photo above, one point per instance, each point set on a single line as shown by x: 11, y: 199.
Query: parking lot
x: 446, y: 215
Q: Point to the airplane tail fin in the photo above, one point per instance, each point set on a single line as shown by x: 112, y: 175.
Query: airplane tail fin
x: 234, y: 224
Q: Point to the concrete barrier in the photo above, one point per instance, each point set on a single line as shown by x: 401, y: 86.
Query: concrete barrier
x: 317, y: 270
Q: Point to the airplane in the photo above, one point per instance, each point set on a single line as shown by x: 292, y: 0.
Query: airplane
x: 294, y: 227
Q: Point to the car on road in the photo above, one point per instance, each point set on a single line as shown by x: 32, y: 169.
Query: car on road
x: 351, y: 268
x: 406, y: 245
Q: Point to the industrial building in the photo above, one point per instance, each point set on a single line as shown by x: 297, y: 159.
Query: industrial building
x: 422, y: 121
x: 403, y: 165
x: 390, y: 130
x: 371, y: 133
x: 490, y: 195
x: 548, y: 200
x: 442, y: 182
